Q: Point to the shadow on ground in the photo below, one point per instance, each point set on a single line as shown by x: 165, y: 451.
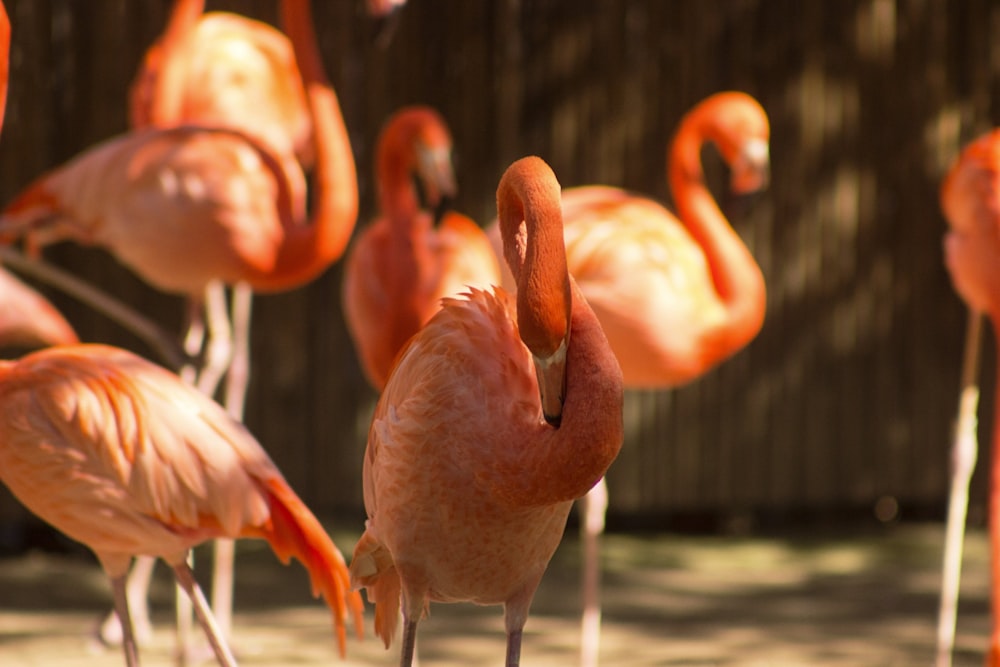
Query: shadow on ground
x: 838, y: 599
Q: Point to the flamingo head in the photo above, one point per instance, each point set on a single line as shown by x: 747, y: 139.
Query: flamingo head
x: 740, y: 129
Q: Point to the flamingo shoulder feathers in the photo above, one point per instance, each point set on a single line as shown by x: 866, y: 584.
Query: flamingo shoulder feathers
x: 970, y: 199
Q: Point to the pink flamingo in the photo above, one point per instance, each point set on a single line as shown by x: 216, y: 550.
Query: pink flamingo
x: 490, y: 425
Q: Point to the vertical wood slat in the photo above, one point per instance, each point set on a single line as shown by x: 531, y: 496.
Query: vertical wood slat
x: 848, y: 392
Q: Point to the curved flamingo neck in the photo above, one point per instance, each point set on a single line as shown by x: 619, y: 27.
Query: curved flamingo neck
x: 166, y: 106
x: 529, y: 209
x: 737, y: 278
x: 397, y: 194
x: 309, y: 249
x: 554, y: 465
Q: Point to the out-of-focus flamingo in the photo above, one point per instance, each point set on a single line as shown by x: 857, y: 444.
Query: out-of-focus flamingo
x: 675, y: 295
x: 220, y: 70
x: 401, y: 265
x: 186, y: 207
x: 123, y: 456
x: 970, y: 198
x: 490, y: 425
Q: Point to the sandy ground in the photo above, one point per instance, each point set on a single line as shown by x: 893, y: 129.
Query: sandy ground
x: 842, y: 599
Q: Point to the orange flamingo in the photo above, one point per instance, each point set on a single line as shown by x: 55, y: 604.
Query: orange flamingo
x: 401, y: 265
x: 675, y: 295
x: 488, y: 429
x: 126, y: 458
x: 970, y: 198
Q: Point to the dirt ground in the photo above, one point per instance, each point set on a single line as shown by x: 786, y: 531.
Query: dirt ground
x: 844, y: 599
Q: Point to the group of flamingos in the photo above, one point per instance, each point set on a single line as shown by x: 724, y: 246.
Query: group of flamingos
x: 499, y: 406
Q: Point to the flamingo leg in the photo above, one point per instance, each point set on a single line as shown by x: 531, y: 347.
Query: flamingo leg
x: 186, y: 580
x: 593, y: 508
x: 118, y: 590
x: 514, y: 648
x: 219, y: 346
x: 237, y: 379
x: 111, y: 630
x: 409, y: 642
x: 963, y: 463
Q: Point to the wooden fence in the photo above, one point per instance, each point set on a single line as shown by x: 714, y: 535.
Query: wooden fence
x: 849, y: 392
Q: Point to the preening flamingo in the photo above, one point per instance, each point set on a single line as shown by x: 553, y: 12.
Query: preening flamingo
x: 675, y: 295
x: 970, y: 198
x: 402, y: 264
x: 124, y: 457
x: 491, y: 424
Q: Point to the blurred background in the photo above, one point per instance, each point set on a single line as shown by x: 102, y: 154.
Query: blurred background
x: 841, y: 409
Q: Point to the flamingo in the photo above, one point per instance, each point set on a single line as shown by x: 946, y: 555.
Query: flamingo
x: 187, y: 207
x: 676, y: 295
x: 401, y: 265
x: 970, y: 198
x: 489, y: 426
x: 121, y: 455
x: 220, y: 70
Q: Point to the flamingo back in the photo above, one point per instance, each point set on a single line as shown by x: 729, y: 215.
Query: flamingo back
x: 180, y: 207
x: 238, y: 73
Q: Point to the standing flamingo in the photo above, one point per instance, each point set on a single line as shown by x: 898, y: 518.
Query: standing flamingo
x: 126, y: 458
x: 220, y: 70
x: 970, y: 198
x: 186, y: 207
x: 401, y: 265
x: 489, y: 427
x: 676, y: 295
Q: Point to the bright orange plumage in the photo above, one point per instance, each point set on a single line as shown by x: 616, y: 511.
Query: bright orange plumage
x: 402, y: 265
x: 27, y: 319
x: 121, y: 455
x: 467, y: 487
x: 970, y: 198
x: 225, y: 70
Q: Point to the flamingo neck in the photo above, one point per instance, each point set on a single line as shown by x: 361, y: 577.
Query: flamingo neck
x: 530, y: 217
x: 736, y: 277
x: 168, y: 61
x: 398, y: 198
x: 309, y: 249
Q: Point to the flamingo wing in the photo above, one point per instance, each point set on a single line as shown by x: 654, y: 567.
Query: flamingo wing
x: 119, y: 454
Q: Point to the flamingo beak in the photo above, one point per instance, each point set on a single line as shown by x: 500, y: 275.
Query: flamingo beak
x: 751, y: 170
x: 437, y: 178
x: 551, y: 374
